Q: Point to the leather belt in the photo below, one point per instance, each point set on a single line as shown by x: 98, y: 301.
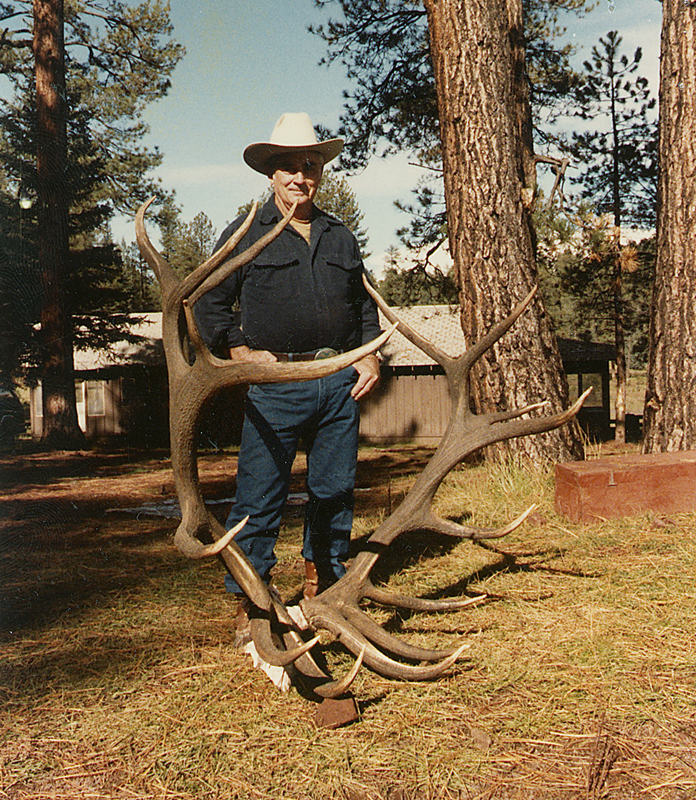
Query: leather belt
x: 312, y: 355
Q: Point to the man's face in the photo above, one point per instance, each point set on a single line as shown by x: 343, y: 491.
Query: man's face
x: 296, y: 178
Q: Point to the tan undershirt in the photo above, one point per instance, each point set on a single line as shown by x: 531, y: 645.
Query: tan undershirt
x: 303, y: 228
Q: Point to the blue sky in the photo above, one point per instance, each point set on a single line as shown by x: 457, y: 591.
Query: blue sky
x: 248, y: 62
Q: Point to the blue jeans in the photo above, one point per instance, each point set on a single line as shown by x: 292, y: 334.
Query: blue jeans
x: 326, y: 417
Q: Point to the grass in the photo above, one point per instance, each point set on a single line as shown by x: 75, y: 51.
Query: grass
x: 580, y: 681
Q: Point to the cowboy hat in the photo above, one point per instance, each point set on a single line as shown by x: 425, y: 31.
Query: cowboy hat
x: 292, y: 133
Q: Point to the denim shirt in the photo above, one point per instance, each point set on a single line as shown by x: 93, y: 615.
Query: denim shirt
x: 294, y: 297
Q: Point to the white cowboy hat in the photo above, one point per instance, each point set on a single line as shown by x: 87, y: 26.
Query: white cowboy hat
x: 292, y: 132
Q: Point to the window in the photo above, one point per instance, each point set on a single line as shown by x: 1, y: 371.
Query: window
x: 38, y: 400
x: 95, y: 398
x: 593, y: 379
x: 573, y: 386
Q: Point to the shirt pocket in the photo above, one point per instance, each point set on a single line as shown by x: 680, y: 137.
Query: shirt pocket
x: 271, y: 279
x: 342, y: 279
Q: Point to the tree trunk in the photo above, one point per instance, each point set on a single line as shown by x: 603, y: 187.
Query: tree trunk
x: 478, y: 56
x: 670, y: 398
x: 60, y: 425
x: 619, y: 330
x: 620, y: 346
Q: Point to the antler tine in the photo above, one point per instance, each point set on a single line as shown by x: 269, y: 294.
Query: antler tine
x: 197, y: 342
x: 406, y: 330
x: 163, y: 271
x: 449, y: 528
x: 503, y: 416
x: 278, y: 372
x: 224, y: 541
x: 375, y: 633
x: 238, y: 261
x: 526, y: 427
x: 201, y: 272
x: 266, y: 648
x: 486, y: 342
x: 350, y: 637
x: 196, y: 519
x: 377, y: 595
x: 337, y: 688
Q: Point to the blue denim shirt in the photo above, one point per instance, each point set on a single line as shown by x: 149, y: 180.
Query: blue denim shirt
x: 294, y: 297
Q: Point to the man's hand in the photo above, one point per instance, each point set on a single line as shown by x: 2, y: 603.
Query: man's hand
x: 244, y: 353
x: 368, y: 376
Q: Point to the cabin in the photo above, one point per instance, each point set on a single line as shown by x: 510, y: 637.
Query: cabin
x: 122, y: 392
x: 412, y: 402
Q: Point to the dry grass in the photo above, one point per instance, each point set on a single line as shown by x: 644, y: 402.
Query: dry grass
x: 580, y: 681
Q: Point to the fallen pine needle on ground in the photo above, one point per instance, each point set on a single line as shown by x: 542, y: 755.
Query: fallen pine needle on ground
x: 119, y: 678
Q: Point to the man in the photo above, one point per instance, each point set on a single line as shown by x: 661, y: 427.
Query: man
x: 301, y: 298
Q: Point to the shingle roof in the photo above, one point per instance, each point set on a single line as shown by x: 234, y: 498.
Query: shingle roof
x: 438, y: 323
x: 147, y: 350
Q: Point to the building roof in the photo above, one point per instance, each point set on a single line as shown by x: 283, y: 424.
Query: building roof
x: 143, y: 346
x: 580, y: 350
x: 438, y: 323
x: 441, y: 325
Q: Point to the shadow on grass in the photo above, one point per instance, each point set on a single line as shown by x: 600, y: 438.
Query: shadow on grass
x: 63, y: 545
x: 414, y: 548
x: 55, y: 560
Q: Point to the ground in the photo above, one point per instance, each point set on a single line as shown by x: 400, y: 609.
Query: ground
x: 118, y: 678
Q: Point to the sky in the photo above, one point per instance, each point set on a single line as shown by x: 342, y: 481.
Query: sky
x: 249, y: 62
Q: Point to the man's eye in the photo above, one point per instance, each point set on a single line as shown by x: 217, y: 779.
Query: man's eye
x: 306, y: 167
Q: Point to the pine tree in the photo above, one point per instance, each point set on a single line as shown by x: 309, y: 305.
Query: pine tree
x: 619, y: 151
x: 478, y: 53
x: 186, y: 245
x: 670, y: 407
x: 621, y: 171
x: 388, y: 48
x: 73, y: 146
x: 335, y: 196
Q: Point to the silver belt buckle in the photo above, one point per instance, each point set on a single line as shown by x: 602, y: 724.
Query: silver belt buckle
x: 325, y: 352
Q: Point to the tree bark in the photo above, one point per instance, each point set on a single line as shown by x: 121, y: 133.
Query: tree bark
x: 478, y: 57
x: 619, y: 330
x: 60, y: 424
x: 620, y: 345
x: 670, y: 398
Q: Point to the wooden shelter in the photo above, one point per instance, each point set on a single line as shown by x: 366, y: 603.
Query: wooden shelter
x: 412, y: 402
x: 122, y: 391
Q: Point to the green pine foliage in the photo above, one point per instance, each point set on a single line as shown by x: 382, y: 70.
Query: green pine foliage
x: 337, y: 198
x: 119, y: 58
x: 619, y: 149
x: 186, y: 245
x: 577, y: 272
x: 415, y: 286
x: 385, y: 49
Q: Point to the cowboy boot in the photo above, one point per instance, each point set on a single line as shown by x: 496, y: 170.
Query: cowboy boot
x: 311, y: 586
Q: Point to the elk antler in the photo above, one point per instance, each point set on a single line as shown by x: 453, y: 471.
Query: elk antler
x: 190, y: 385
x: 337, y: 609
x: 276, y: 635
